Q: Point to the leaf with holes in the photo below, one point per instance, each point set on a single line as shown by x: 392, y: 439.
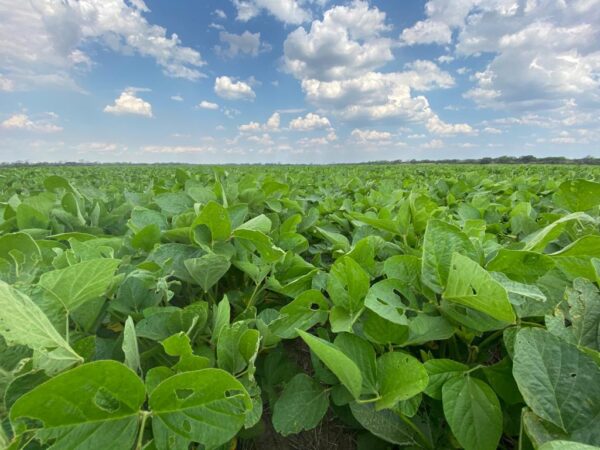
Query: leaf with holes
x: 96, y: 405
x: 471, y: 285
x: 205, y: 406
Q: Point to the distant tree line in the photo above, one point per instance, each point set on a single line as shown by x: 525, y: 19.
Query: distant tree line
x: 527, y: 159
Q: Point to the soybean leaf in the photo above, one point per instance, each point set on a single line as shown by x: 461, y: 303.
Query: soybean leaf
x: 130, y: 346
x: 363, y: 355
x: 440, y: 242
x: 440, y: 371
x: 206, y: 406
x: 559, y: 383
x: 578, y: 195
x: 341, y: 365
x: 92, y: 406
x: 390, y: 426
x: 539, y: 240
x: 400, y: 376
x: 75, y: 285
x: 22, y: 322
x: 521, y: 266
x: 347, y: 284
x: 301, y: 406
x: 305, y: 311
x: 473, y: 412
x: 215, y: 217
x: 208, y: 269
x: 471, y: 285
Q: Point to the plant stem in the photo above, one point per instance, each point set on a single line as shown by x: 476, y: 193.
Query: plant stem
x: 140, y: 438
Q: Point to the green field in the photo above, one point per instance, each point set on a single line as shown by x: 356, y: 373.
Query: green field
x: 300, y: 307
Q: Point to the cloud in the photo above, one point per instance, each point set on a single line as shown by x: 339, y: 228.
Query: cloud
x: 378, y: 96
x: 99, y: 147
x: 129, y: 103
x: 287, y: 11
x: 346, y: 43
x: 220, y: 14
x: 272, y: 124
x: 246, y: 43
x: 25, y: 123
x: 177, y: 98
x: 179, y: 149
x: 208, y: 105
x: 336, y: 61
x: 433, y: 144
x: 250, y: 127
x: 541, y: 54
x: 45, y: 41
x: 310, y: 122
x: 492, y: 130
x: 226, y: 87
x: 365, y: 136
x: 6, y: 84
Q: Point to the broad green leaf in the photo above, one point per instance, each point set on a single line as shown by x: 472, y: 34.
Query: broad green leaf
x: 363, y: 355
x: 130, y: 346
x: 521, y: 266
x: 575, y: 259
x: 341, y: 365
x: 205, y: 406
x: 440, y: 242
x: 473, y: 412
x: 304, y: 312
x: 347, y: 284
x: 559, y: 383
x: 525, y: 298
x: 390, y: 299
x: 566, y: 445
x: 301, y: 406
x: 578, y: 195
x: 263, y: 244
x: 30, y: 217
x: 22, y: 322
x: 584, y: 313
x: 539, y: 240
x: 221, y: 318
x: 79, y: 283
x: 146, y: 238
x: 207, y: 270
x: 259, y: 223
x: 471, y: 285
x: 92, y: 406
x: 400, y: 376
x: 390, y: 426
x: 440, y: 371
x: 229, y: 347
x: 215, y: 217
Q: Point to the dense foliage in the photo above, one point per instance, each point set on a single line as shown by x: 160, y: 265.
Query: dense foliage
x: 398, y: 306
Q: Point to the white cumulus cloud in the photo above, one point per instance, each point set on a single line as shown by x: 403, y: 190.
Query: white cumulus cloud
x: 309, y: 122
x: 230, y: 89
x: 208, y: 105
x: 24, y: 122
x: 43, y: 41
x: 287, y: 11
x: 129, y: 103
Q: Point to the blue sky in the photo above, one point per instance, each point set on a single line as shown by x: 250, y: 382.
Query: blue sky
x: 302, y: 81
